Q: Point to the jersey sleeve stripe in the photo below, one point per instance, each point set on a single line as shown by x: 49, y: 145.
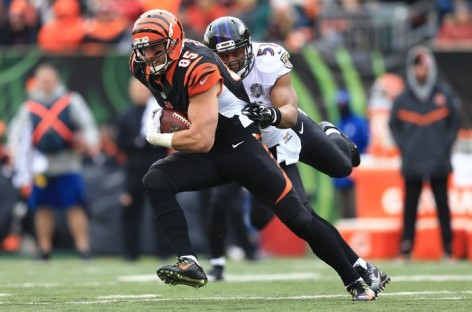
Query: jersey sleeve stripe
x: 190, y: 69
x: 201, y: 71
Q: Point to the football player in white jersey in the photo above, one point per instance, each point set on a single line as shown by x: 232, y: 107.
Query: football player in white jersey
x: 288, y: 132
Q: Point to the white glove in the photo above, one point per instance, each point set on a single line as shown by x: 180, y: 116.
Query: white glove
x: 153, y: 131
x: 153, y: 123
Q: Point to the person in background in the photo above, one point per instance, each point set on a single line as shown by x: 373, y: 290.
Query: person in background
x: 455, y: 30
x: 139, y: 157
x: 50, y: 133
x: 66, y: 31
x: 357, y: 129
x: 424, y: 122
x: 21, y: 25
x: 105, y: 29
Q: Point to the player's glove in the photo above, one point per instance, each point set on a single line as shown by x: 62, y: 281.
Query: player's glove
x: 262, y: 115
x: 153, y: 123
x: 153, y: 130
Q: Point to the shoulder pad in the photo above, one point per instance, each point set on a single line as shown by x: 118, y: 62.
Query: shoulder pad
x: 271, y: 57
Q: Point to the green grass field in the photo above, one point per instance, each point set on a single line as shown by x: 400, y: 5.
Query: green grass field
x: 281, y: 284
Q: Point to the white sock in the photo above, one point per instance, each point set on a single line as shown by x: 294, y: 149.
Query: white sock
x: 332, y: 130
x: 221, y: 261
x: 360, y: 262
x: 357, y: 280
x: 191, y: 258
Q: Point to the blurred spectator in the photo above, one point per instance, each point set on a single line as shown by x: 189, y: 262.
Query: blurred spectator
x: 129, y: 9
x: 171, y: 6
x: 198, y: 14
x: 21, y: 24
x: 65, y: 32
x: 305, y: 26
x: 357, y: 129
x: 457, y: 26
x: 48, y: 135
x: 424, y: 122
x: 140, y: 156
x: 345, y: 24
x: 282, y: 20
x: 444, y: 7
x: 105, y: 28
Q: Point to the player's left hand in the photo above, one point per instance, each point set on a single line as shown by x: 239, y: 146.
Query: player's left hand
x: 262, y: 115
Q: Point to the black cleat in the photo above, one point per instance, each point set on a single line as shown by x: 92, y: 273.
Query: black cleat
x: 184, y: 272
x: 355, y: 155
x: 43, y: 256
x: 375, y: 278
x: 216, y: 273
x: 360, y: 291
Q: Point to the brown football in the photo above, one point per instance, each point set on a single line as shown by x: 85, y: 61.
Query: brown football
x: 173, y: 121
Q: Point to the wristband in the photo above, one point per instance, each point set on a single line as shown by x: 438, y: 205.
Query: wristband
x: 161, y: 139
x: 277, y: 118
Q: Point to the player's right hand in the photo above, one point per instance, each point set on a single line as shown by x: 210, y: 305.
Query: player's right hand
x: 153, y: 124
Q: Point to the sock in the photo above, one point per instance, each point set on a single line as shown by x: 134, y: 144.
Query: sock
x: 193, y: 258
x: 221, y: 261
x: 357, y: 280
x: 332, y: 130
x: 360, y: 262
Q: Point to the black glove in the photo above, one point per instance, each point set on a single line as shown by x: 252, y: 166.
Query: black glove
x: 262, y: 115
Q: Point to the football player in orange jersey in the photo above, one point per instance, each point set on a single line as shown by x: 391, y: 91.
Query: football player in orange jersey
x: 222, y: 145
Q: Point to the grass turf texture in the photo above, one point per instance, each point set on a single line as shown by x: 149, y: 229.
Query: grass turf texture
x: 110, y: 284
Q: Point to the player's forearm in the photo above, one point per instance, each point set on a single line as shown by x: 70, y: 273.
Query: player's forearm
x: 184, y: 141
x: 289, y: 115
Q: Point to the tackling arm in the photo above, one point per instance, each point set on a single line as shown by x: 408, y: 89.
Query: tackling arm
x: 284, y: 98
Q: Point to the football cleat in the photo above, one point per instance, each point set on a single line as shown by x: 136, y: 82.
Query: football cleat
x: 360, y: 291
x: 216, y: 273
x: 355, y: 155
x: 184, y: 272
x: 375, y: 278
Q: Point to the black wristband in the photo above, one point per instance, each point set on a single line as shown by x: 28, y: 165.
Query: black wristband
x: 278, y: 117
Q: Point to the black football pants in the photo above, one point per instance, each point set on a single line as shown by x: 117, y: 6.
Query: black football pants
x: 329, y: 155
x: 248, y: 164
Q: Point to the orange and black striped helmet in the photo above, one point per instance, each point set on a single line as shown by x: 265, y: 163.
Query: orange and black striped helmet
x: 157, y: 27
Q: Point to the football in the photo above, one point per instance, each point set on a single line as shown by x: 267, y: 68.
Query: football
x: 173, y: 121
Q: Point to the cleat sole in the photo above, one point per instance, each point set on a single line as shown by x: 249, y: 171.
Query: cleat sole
x: 172, y: 278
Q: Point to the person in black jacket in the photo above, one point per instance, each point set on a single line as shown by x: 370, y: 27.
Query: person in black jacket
x: 424, y: 122
x: 140, y: 155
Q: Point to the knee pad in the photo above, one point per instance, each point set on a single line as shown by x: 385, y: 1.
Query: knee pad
x: 260, y: 218
x: 302, y: 224
x: 155, y: 178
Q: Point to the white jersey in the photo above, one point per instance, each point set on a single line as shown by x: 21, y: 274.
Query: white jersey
x: 271, y: 62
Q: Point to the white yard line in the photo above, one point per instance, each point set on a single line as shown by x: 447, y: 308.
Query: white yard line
x: 278, y: 298
x: 304, y: 276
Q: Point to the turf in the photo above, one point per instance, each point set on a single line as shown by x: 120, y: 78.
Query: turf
x: 277, y: 284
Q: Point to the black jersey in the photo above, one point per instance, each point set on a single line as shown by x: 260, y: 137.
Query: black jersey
x: 197, y: 70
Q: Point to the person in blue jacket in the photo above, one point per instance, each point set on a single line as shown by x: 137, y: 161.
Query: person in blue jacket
x: 357, y: 129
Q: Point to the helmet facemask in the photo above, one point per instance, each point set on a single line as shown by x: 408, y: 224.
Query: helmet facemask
x: 160, y: 61
x: 226, y: 35
x: 241, y: 66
